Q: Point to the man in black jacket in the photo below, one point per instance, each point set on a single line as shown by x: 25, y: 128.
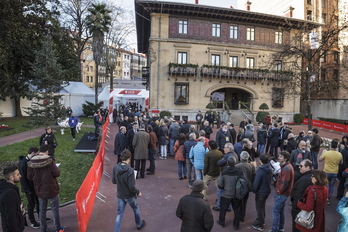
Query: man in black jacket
x: 11, y: 209
x: 194, y: 212
x: 123, y: 176
x: 120, y: 142
x: 129, y: 141
x: 28, y: 187
x: 273, y: 136
x: 299, y: 188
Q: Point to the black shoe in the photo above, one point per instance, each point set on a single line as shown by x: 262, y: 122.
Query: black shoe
x: 216, y: 208
x: 148, y: 169
x: 241, y: 220
x: 257, y: 227
x: 150, y: 173
x: 142, y: 225
x: 229, y: 210
x: 236, y: 227
x: 181, y: 178
x: 221, y: 224
x: 185, y: 177
x: 49, y: 219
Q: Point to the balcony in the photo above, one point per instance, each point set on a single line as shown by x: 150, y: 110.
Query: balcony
x: 229, y: 73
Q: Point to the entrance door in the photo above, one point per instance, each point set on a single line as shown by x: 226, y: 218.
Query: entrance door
x: 234, y: 101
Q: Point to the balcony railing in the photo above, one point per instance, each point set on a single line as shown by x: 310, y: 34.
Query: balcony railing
x: 229, y: 73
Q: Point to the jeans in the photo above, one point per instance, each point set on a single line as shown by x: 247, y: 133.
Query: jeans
x: 33, y: 202
x: 190, y: 169
x: 171, y: 146
x: 163, y: 150
x: 152, y: 153
x: 315, y: 159
x: 54, y: 202
x: 278, y: 212
x: 219, y: 193
x: 133, y: 202
x: 260, y: 204
x: 182, y: 168
x: 261, y: 148
x: 331, y: 177
x: 199, y: 174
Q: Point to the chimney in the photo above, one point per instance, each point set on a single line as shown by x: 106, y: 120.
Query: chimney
x: 248, y: 3
x: 291, y: 9
x: 231, y: 7
x: 196, y: 1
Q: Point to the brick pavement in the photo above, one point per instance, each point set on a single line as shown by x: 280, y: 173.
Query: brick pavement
x: 161, y: 193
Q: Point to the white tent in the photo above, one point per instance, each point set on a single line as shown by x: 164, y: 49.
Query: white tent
x: 74, y: 95
x: 122, y: 96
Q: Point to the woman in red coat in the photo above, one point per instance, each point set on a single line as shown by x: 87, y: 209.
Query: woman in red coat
x: 315, y: 198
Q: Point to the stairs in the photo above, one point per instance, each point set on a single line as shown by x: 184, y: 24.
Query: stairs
x: 235, y: 117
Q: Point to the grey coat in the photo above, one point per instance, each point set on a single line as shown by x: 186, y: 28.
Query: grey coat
x: 140, y: 143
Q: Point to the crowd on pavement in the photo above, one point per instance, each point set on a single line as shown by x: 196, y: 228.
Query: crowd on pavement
x: 238, y: 161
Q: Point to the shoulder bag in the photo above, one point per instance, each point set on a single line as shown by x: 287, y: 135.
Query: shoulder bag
x: 305, y: 218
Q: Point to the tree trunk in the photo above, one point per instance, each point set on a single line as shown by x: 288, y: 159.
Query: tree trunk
x: 308, y: 103
x: 18, y: 112
x: 96, y: 83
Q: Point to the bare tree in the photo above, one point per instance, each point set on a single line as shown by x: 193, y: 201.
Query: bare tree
x: 312, y: 56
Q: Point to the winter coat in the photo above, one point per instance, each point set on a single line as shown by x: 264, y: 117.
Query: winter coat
x: 153, y: 140
x: 12, y: 219
x: 249, y: 135
x: 315, y: 143
x: 141, y: 142
x: 238, y: 148
x: 73, y: 121
x: 249, y: 172
x: 261, y: 136
x: 297, y: 156
x: 48, y: 139
x: 223, y: 137
x: 42, y: 170
x: 233, y: 134
x: 27, y: 186
x: 342, y: 209
x: 262, y: 181
x: 223, y: 162
x: 123, y: 176
x: 208, y: 130
x: 227, y: 181
x: 129, y: 139
x: 185, y: 128
x: 187, y: 147
x: 162, y: 135
x: 314, y: 201
x: 300, y: 187
x: 273, y: 136
x: 174, y: 131
x: 210, y: 163
x: 291, y: 145
x: 197, y: 154
x: 285, y: 180
x: 178, y: 150
x: 195, y: 213
x: 119, y: 143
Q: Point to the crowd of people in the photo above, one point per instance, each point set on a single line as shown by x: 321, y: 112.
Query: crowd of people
x: 248, y: 158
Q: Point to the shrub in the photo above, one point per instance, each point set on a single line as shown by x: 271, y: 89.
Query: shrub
x: 261, y: 115
x: 165, y: 113
x: 298, y: 118
x: 264, y: 106
x: 210, y: 106
x: 334, y: 120
x: 89, y: 108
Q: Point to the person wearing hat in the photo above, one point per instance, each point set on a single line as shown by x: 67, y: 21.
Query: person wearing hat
x: 194, y: 212
x: 249, y: 171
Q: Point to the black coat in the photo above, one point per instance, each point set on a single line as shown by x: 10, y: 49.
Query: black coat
x: 11, y: 216
x: 208, y: 130
x: 27, y: 186
x: 48, y: 139
x: 120, y: 143
x: 185, y: 128
x: 223, y: 137
x: 273, y: 136
x: 261, y: 136
x: 233, y: 133
x: 300, y: 187
x: 195, y: 213
x: 129, y: 139
x: 291, y: 145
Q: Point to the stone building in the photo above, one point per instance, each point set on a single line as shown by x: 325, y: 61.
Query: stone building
x: 201, y: 54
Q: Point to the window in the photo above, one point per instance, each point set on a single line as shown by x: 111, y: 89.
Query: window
x: 182, y: 57
x: 215, y: 60
x: 87, y: 68
x: 91, y: 68
x: 277, y: 97
x: 182, y: 26
x: 278, y: 37
x: 234, y: 61
x: 278, y: 65
x: 323, y: 18
x: 323, y: 74
x: 181, y: 95
x: 216, y: 30
x: 323, y: 3
x: 309, y: 15
x: 233, y: 32
x: 250, y: 62
x: 309, y: 2
x: 250, y: 33
x: 325, y: 56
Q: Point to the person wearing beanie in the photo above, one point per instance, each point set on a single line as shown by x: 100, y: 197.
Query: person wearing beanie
x: 195, y: 212
x: 249, y: 171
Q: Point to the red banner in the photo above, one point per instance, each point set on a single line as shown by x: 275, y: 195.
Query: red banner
x: 327, y: 125
x: 316, y: 123
x: 338, y: 127
x: 305, y: 121
x: 85, y: 196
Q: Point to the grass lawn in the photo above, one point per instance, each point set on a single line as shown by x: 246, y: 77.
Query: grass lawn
x: 15, y: 125
x: 73, y: 166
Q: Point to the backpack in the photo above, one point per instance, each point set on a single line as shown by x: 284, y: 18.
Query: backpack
x: 241, y: 188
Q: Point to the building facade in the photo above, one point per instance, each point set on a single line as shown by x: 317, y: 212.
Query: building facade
x: 200, y: 54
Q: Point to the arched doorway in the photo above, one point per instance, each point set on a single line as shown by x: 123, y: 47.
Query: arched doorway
x: 233, y: 96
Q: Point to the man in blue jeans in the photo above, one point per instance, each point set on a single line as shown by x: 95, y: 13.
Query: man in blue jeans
x: 332, y: 161
x: 283, y: 187
x: 123, y: 176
